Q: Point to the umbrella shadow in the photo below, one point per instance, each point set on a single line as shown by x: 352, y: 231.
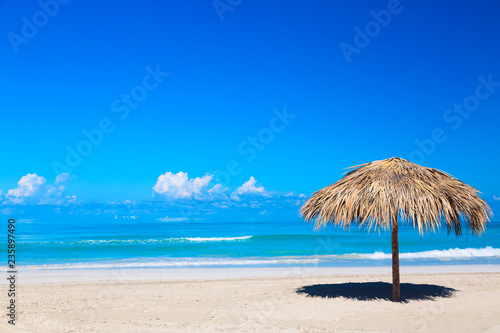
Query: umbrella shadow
x: 368, y: 291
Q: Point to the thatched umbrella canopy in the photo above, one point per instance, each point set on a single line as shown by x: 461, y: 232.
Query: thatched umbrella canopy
x: 383, y: 192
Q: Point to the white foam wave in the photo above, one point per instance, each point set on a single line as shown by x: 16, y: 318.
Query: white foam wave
x: 185, y: 262
x: 216, y: 239
x: 455, y: 253
x: 172, y: 219
x: 148, y: 241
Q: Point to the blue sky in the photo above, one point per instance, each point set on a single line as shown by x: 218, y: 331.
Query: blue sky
x: 233, y: 79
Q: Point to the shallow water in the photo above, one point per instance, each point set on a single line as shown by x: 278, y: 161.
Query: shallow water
x: 150, y: 242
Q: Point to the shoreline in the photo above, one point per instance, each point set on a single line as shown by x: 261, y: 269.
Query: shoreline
x: 218, y: 273
x: 448, y: 299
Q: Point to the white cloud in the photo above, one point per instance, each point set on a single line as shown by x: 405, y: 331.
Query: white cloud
x: 249, y: 188
x: 32, y: 189
x: 28, y: 186
x: 63, y: 178
x: 220, y: 205
x: 217, y: 189
x: 179, y: 186
x: 123, y: 202
x: 7, y: 211
x: 218, y: 192
x: 255, y: 204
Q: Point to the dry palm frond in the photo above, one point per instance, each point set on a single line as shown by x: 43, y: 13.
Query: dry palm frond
x: 376, y: 192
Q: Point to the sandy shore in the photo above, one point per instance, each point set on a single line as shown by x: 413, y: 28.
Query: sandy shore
x: 437, y: 299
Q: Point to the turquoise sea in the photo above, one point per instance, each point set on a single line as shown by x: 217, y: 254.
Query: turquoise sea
x: 152, y: 242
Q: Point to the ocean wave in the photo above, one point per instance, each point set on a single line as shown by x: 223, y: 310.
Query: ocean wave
x: 144, y: 241
x: 172, y: 219
x: 187, y: 239
x: 455, y: 253
x: 215, y: 239
x: 182, y: 262
x: 166, y: 262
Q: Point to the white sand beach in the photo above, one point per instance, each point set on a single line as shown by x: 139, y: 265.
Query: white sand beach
x: 436, y: 299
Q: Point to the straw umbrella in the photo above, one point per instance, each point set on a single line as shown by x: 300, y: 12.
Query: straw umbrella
x: 381, y: 193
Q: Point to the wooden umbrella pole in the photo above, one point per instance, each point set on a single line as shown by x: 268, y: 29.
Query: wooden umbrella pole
x: 396, y: 293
